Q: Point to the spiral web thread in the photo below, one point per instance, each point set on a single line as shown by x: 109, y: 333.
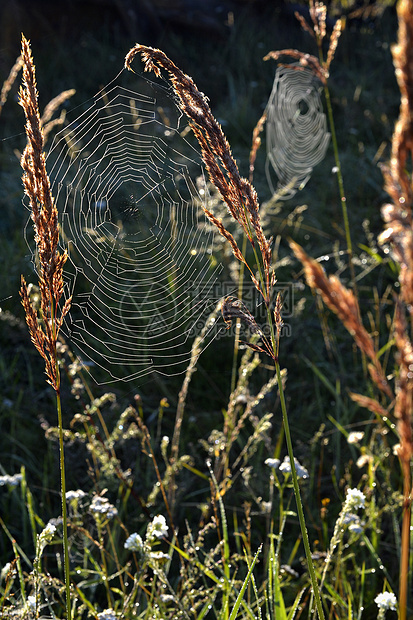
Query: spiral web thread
x: 124, y: 181
x: 297, y: 137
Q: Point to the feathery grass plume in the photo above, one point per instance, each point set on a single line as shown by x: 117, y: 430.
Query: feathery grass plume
x: 237, y: 192
x: 343, y: 302
x: 369, y: 403
x: 7, y: 84
x: 44, y: 329
x: 256, y: 143
x: 46, y: 121
x: 233, y: 308
x: 306, y: 61
x: 45, y: 222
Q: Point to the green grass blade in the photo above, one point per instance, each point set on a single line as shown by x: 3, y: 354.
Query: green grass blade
x: 244, y: 586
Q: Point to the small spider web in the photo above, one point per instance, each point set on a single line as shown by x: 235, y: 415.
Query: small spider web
x: 124, y: 181
x: 297, y: 137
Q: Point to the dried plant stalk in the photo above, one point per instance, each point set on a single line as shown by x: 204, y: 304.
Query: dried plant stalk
x: 237, y: 192
x: 398, y: 218
x: 343, y: 302
x: 404, y: 396
x: 7, y: 84
x: 256, y: 143
x: 306, y: 61
x: 369, y: 403
x: 44, y: 329
x: 43, y: 332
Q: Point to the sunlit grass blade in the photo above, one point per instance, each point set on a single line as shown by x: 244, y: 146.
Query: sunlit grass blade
x: 240, y: 596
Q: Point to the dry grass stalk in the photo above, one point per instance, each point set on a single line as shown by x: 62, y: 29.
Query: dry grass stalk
x: 318, y: 30
x: 398, y: 218
x: 237, y: 192
x: 36, y: 183
x: 307, y: 61
x: 54, y: 104
x: 256, y: 143
x: 7, y: 84
x: 234, y: 309
x: 46, y: 121
x: 369, y: 403
x: 404, y: 395
x: 343, y: 302
x: 398, y: 176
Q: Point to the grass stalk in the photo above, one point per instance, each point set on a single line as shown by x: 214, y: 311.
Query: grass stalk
x: 343, y: 199
x: 63, y: 494
x: 44, y: 323
x: 300, y: 511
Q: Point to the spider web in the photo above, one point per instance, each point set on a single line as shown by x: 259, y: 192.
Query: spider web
x: 297, y: 137
x: 124, y: 181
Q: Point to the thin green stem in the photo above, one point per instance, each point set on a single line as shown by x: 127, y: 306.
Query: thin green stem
x: 340, y: 181
x: 238, y: 326
x: 63, y: 491
x: 62, y: 461
x: 405, y: 545
x: 300, y: 511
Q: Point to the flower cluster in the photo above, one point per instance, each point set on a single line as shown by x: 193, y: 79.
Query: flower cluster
x: 285, y: 467
x: 11, y: 481
x: 354, y: 499
x: 134, y: 543
x: 75, y: 495
x: 156, y: 529
x: 355, y: 437
x: 107, y: 614
x: 101, y: 506
x: 386, y: 600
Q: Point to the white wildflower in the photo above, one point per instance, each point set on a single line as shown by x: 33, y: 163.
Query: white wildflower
x: 355, y: 437
x: 266, y: 507
x: 134, y: 542
x: 11, y: 481
x: 301, y: 471
x: 158, y: 528
x: 107, y: 614
x: 5, y: 571
x: 101, y: 506
x: 363, y: 460
x: 75, y: 495
x: 31, y: 603
x: 357, y: 528
x: 167, y: 598
x: 386, y: 600
x: 46, y: 535
x: 273, y: 463
x: 354, y: 499
x: 350, y: 517
x: 159, y: 556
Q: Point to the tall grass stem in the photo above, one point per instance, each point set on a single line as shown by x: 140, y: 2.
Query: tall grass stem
x: 63, y: 492
x: 297, y: 494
